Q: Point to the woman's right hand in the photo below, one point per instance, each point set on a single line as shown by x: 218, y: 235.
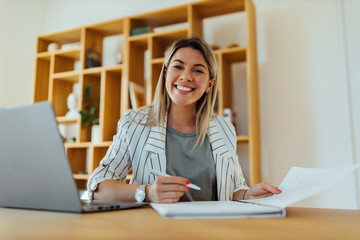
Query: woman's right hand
x: 167, y: 189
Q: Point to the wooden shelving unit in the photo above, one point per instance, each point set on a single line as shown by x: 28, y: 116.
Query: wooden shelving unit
x: 56, y: 73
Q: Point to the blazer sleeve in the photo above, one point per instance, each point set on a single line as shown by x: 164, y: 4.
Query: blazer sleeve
x: 116, y: 163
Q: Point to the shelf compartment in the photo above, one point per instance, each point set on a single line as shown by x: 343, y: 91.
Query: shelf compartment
x: 155, y: 70
x: 161, y: 41
x: 41, y: 83
x: 159, y: 18
x: 61, y: 37
x: 77, y: 157
x: 210, y: 8
x: 60, y: 90
x: 233, y: 55
x: 98, y: 155
x: 111, y: 103
x: 95, y: 80
x: 65, y: 61
x: 109, y: 28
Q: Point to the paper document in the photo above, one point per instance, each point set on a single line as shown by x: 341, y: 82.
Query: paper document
x: 301, y: 183
x: 298, y: 184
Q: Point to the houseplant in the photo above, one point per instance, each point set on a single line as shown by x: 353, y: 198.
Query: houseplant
x: 90, y: 112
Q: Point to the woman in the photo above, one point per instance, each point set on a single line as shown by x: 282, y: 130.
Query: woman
x: 177, y: 134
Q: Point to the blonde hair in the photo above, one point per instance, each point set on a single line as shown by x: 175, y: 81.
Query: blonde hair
x: 156, y: 112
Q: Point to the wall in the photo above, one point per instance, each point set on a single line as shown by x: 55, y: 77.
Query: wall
x: 308, y: 66
x: 304, y: 93
x: 20, y: 22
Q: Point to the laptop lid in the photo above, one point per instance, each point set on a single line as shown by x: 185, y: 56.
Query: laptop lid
x: 34, y: 170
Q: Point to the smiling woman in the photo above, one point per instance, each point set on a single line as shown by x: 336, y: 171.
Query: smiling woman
x: 177, y: 134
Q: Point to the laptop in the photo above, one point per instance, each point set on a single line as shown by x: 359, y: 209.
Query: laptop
x: 34, y: 169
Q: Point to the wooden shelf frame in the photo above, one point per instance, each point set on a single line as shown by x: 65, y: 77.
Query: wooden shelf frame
x: 55, y: 72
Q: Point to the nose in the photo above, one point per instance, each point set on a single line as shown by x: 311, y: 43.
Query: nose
x: 186, y: 76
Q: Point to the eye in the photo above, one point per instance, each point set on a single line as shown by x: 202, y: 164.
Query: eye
x: 198, y: 71
x: 179, y: 67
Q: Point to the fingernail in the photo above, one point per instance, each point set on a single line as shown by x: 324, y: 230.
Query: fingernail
x: 187, y: 182
x: 189, y: 188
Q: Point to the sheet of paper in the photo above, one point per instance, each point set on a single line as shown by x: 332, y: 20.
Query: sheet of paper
x: 301, y: 183
x: 216, y: 209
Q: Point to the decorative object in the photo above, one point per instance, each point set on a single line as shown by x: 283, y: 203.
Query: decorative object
x: 215, y: 47
x: 53, y: 46
x: 232, y: 45
x: 139, y: 31
x: 93, y: 58
x: 71, y: 103
x: 90, y: 113
x: 137, y: 95
x: 95, y: 134
x: 119, y: 58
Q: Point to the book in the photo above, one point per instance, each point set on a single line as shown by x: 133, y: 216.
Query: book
x: 139, y: 31
x: 137, y: 95
x: 298, y: 184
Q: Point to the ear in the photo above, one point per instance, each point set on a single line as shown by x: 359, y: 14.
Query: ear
x: 211, y: 84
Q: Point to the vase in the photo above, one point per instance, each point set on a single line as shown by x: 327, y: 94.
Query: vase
x: 95, y: 134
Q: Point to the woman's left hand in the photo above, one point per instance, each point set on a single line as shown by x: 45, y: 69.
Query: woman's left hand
x: 261, y: 190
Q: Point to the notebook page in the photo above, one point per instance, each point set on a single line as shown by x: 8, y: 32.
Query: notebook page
x: 301, y: 183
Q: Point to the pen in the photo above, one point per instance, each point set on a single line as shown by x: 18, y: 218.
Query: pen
x: 157, y: 173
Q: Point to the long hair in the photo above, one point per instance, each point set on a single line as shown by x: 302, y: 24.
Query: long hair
x: 157, y: 111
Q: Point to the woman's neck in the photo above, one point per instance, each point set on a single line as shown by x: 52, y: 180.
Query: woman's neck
x: 182, y: 119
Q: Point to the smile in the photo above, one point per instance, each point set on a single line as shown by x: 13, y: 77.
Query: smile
x: 186, y: 89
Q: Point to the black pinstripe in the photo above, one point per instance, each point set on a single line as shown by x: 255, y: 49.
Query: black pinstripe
x: 139, y: 147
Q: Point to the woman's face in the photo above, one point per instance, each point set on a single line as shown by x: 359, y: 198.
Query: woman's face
x: 187, y: 77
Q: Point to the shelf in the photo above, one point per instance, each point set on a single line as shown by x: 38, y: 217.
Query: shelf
x: 158, y: 18
x: 73, y: 53
x: 65, y: 120
x: 211, y: 8
x: 143, y: 55
x: 77, y: 145
x: 109, y: 28
x: 232, y: 55
x: 44, y: 56
x: 81, y: 176
x: 61, y: 37
x: 93, y: 71
x: 157, y: 61
x: 114, y: 69
x: 71, y: 76
x: 242, y: 138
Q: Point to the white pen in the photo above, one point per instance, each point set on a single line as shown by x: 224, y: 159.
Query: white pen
x: 157, y: 173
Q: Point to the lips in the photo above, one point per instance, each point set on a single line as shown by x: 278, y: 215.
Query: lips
x: 183, y: 88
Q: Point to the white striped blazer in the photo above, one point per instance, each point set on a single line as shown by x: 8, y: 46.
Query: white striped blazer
x: 141, y: 148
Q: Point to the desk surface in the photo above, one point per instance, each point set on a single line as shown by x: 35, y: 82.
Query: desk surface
x: 145, y: 223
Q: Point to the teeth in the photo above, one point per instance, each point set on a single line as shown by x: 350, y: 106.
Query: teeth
x: 184, y: 88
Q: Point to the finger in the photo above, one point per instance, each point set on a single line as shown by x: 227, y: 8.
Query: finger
x: 170, y: 197
x: 272, y: 189
x: 174, y: 180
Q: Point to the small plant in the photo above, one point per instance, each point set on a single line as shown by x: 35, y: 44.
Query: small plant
x: 90, y: 113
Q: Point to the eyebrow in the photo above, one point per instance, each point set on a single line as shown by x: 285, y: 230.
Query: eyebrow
x: 196, y: 65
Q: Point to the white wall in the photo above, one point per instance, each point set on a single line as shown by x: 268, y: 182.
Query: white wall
x: 308, y: 70
x: 20, y: 22
x: 304, y: 98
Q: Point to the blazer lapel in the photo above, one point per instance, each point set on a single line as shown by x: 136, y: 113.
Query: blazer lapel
x: 224, y: 164
x: 156, y: 145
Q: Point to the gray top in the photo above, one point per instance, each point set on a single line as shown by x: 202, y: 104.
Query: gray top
x: 193, y: 163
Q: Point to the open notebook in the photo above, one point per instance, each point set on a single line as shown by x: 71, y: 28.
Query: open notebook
x: 298, y: 184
